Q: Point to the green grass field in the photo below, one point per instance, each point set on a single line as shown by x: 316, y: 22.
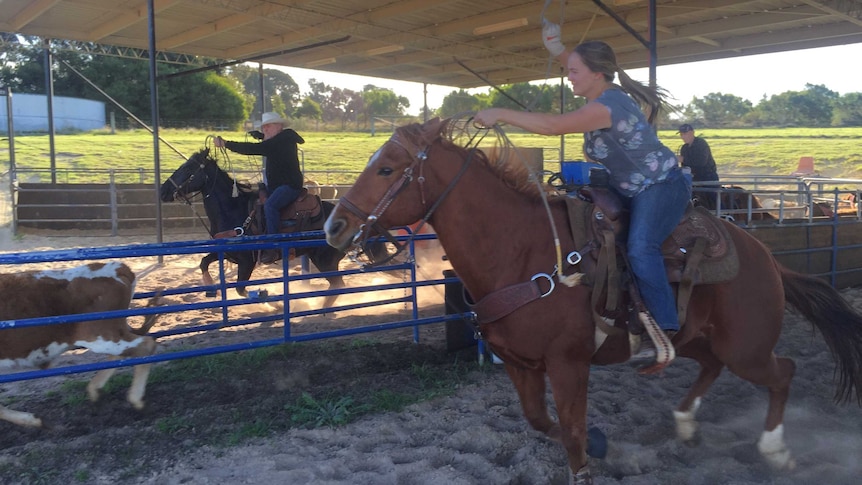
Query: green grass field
x: 837, y: 151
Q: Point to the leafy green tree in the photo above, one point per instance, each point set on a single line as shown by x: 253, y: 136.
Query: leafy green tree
x: 816, y: 104
x: 570, y: 102
x: 719, y: 110
x: 811, y: 107
x: 201, y: 96
x: 457, y: 102
x: 341, y: 105
x: 281, y: 90
x: 23, y: 69
x: 318, y: 91
x: 383, y: 101
x: 538, y: 98
x: 847, y: 110
x: 308, y: 108
x: 126, y: 81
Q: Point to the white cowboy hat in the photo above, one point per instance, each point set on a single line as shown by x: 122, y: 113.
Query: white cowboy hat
x: 271, y: 117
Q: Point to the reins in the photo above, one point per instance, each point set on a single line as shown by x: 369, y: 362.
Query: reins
x: 188, y: 199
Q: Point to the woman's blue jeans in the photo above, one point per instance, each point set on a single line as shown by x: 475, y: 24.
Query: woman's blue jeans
x: 280, y: 198
x: 655, y: 213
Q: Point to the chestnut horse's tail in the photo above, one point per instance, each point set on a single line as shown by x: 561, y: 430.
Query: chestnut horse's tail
x: 839, y: 323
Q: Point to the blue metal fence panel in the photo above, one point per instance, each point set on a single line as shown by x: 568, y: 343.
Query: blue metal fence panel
x: 220, y: 246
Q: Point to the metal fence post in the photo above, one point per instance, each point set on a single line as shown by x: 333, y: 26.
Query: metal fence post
x: 12, y: 172
x: 112, y: 189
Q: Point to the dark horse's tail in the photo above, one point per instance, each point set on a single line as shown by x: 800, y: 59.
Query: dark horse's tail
x: 840, y: 325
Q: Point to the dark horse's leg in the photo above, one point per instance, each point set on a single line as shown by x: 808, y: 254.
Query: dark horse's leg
x: 205, y: 272
x: 326, y: 259
x: 245, y: 265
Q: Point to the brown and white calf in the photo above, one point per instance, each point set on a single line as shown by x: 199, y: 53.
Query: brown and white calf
x: 95, y: 287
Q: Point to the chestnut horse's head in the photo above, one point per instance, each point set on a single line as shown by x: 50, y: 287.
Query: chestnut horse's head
x: 395, y: 189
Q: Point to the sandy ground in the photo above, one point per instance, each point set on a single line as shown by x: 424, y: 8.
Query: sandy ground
x: 478, y: 436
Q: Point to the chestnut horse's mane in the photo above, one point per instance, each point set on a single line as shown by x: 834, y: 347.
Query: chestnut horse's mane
x: 458, y: 134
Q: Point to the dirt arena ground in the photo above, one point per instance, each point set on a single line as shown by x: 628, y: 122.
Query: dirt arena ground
x: 475, y: 435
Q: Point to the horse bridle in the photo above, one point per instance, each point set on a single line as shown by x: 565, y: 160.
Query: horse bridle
x: 179, y: 193
x: 371, y: 224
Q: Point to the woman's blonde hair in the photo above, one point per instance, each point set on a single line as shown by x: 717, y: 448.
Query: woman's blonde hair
x: 599, y: 57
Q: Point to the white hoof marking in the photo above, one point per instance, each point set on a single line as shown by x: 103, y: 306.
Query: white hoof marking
x: 771, y: 446
x: 686, y: 424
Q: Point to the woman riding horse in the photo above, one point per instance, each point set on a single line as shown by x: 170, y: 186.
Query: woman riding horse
x: 499, y: 233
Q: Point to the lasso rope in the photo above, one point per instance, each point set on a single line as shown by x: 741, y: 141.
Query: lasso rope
x: 224, y: 153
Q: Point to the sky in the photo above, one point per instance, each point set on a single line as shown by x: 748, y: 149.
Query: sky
x: 750, y: 77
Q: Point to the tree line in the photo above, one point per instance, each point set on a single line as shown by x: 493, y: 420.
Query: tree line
x: 815, y: 106
x: 230, y: 95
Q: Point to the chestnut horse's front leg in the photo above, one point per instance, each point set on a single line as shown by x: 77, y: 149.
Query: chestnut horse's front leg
x: 530, y: 385
x: 569, y: 380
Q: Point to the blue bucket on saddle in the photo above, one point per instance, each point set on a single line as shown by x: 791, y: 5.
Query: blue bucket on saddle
x: 577, y: 173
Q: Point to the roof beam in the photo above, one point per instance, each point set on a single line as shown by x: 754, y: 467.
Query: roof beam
x: 825, y: 8
x: 223, y: 24
x: 336, y: 26
x: 747, y: 44
x: 30, y: 13
x: 743, y: 22
x: 127, y: 18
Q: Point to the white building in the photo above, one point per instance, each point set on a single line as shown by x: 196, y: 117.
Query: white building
x: 30, y: 112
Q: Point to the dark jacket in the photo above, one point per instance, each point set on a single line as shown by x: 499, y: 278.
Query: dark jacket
x: 698, y: 157
x: 282, y: 158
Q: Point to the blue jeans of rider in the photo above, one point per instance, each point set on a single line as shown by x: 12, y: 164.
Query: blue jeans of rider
x: 655, y: 213
x: 278, y: 199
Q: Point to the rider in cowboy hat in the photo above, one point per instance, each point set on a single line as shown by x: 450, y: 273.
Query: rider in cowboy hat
x: 281, y: 173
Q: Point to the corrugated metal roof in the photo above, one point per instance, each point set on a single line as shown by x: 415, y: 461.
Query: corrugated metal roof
x: 422, y: 40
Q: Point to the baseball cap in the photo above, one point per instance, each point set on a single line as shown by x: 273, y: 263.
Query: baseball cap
x: 685, y: 128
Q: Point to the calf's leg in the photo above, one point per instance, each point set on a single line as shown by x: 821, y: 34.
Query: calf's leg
x: 19, y: 417
x: 145, y: 346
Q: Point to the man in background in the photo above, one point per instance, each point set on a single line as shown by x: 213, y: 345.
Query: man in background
x: 696, y: 155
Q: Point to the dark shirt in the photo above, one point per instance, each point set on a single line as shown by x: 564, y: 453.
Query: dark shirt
x: 698, y: 157
x: 282, y: 159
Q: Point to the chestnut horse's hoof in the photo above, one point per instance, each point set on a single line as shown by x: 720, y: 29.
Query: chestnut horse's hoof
x: 583, y: 476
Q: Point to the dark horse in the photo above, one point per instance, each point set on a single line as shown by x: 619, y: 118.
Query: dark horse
x: 201, y: 174
x: 497, y: 233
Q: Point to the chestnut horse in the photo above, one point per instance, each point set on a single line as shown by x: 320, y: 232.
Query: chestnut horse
x: 497, y: 232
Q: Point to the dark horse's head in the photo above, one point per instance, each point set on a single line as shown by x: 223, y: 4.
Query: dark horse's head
x: 196, y: 175
x: 227, y: 202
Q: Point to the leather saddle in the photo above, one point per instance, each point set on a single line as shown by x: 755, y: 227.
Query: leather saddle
x: 303, y: 214
x: 699, y: 251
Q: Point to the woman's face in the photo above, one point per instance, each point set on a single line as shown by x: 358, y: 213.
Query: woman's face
x: 584, y: 81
